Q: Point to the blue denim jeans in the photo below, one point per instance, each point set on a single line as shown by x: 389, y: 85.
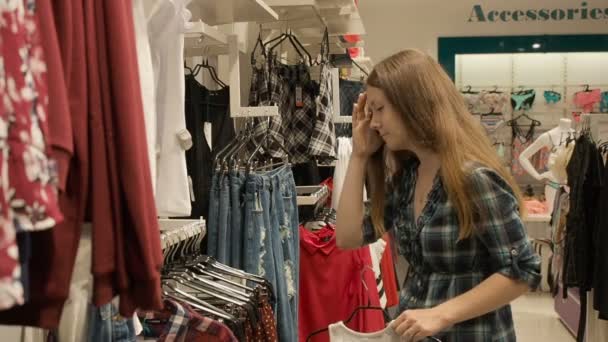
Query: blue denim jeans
x: 285, y: 212
x: 251, y: 235
x: 214, y: 214
x: 237, y: 183
x: 106, y: 325
x: 278, y: 255
x: 257, y: 245
x: 224, y: 228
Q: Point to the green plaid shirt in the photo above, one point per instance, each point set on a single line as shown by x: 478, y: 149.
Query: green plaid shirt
x: 441, y: 267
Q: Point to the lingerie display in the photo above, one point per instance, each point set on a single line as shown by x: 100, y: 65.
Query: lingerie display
x: 523, y: 99
x: 552, y: 97
x: 587, y: 99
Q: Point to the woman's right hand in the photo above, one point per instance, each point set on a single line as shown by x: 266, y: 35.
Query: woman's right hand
x: 366, y: 141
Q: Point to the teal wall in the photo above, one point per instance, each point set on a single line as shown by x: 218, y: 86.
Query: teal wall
x: 449, y: 47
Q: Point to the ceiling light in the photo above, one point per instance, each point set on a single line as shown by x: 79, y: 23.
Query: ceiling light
x: 536, y: 46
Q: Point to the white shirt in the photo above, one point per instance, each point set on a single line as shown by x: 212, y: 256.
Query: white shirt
x: 146, y: 81
x: 345, y: 150
x: 376, y: 250
x: 338, y: 332
x: 167, y: 20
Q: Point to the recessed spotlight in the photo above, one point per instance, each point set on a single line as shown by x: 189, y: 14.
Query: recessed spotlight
x: 536, y: 46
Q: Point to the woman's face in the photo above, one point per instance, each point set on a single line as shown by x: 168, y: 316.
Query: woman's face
x: 386, y: 120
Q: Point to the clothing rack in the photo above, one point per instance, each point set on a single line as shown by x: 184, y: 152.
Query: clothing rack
x: 174, y: 236
x: 598, y: 125
x: 312, y: 195
x: 310, y: 200
x: 172, y: 224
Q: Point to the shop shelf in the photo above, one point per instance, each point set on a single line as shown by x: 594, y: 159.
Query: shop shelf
x: 217, y: 12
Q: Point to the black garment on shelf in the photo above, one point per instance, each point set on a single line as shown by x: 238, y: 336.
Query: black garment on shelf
x: 600, y: 238
x: 205, y: 106
x: 306, y: 173
x: 349, y: 93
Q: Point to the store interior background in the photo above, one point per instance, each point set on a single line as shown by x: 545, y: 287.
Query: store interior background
x: 393, y: 25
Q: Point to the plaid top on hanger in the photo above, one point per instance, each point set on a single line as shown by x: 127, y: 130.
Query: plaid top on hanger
x: 263, y: 82
x: 323, y: 141
x: 290, y: 88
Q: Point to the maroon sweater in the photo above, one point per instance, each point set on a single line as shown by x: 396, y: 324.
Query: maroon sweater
x: 100, y: 143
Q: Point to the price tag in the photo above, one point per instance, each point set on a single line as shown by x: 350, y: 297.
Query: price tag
x: 299, y: 99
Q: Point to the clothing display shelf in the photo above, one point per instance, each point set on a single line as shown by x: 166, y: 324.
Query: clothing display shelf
x: 308, y: 19
x: 312, y: 195
x: 295, y: 10
x: 340, y: 17
x: 214, y: 12
x: 188, y: 231
x: 537, y: 218
x: 343, y: 119
x: 201, y: 39
x: 211, y: 35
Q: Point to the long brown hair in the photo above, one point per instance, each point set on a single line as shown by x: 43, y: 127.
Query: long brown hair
x: 436, y: 118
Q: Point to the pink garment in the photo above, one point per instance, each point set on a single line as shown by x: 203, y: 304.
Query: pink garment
x: 535, y: 207
x: 587, y: 99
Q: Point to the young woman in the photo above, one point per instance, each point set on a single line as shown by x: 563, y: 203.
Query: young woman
x: 452, y: 209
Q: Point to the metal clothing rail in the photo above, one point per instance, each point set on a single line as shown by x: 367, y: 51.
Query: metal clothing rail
x: 597, y: 124
x: 196, y: 229
x: 312, y: 195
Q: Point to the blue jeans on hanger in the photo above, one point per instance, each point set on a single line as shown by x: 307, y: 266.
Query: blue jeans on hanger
x: 106, y: 325
x: 284, y: 212
x: 214, y: 214
x: 286, y: 325
x: 224, y: 228
x: 257, y: 245
x: 237, y: 183
x: 271, y: 243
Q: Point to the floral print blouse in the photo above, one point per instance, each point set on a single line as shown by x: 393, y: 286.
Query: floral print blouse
x: 28, y: 197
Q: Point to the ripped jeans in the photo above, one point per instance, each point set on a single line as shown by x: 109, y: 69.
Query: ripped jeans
x: 272, y: 241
